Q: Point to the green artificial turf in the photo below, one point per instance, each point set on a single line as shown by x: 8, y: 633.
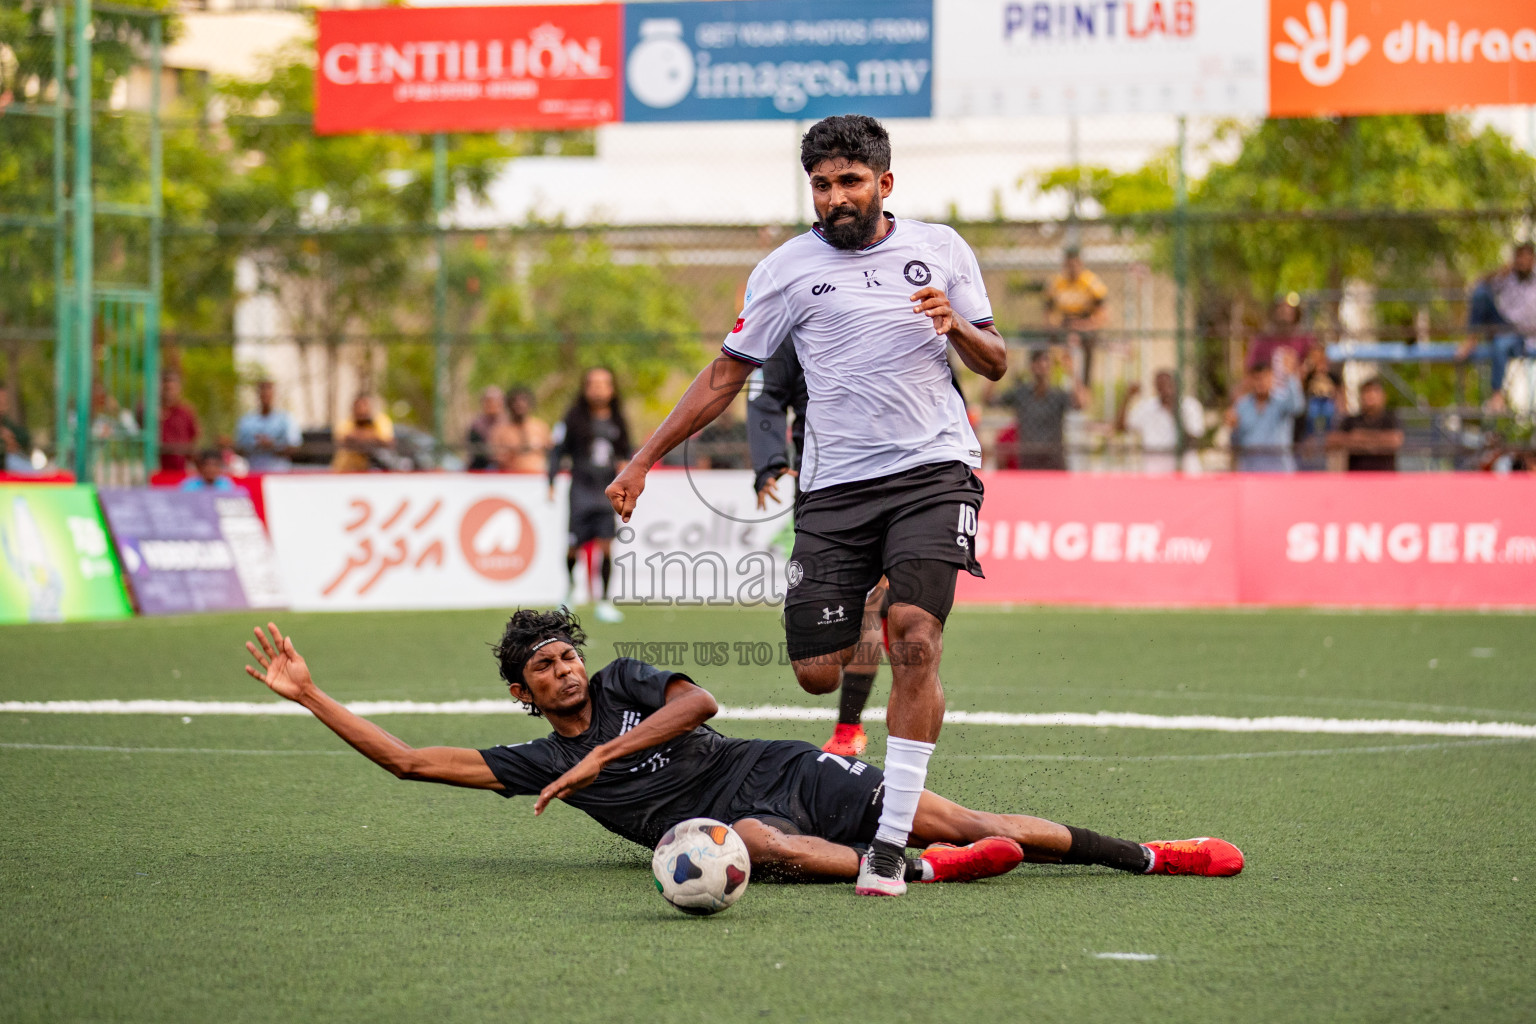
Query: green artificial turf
x: 1382, y: 884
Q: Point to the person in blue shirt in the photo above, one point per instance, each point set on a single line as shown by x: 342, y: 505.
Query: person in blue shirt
x: 1262, y: 419
x: 268, y: 436
x: 210, y: 475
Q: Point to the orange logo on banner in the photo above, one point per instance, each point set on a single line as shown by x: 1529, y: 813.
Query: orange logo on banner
x: 1399, y: 56
x: 498, y: 539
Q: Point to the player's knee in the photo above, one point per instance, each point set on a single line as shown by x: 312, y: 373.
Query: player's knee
x: 917, y: 637
x: 765, y: 844
x: 820, y: 674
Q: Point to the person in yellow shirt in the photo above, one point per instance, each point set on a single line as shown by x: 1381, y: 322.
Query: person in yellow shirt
x: 361, y: 436
x: 1074, y: 302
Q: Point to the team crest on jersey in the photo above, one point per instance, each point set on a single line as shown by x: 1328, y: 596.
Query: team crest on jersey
x: 795, y: 574
x: 917, y: 272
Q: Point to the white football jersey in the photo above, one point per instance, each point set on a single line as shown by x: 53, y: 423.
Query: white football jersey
x: 881, y: 396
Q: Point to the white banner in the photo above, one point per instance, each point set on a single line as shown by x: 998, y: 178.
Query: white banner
x: 417, y: 541
x: 697, y: 537
x: 1020, y: 57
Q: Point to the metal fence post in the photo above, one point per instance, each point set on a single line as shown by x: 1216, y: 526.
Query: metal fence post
x: 1181, y: 288
x: 151, y: 336
x: 440, y: 294
x: 62, y: 329
x: 84, y: 237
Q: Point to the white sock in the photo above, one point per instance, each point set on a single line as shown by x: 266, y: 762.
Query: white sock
x: 906, y: 770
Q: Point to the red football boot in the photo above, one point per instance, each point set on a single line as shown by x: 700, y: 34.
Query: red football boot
x: 984, y: 858
x: 847, y: 741
x: 1214, y: 858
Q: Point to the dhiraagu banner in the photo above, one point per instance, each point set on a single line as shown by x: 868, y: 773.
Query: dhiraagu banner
x: 56, y: 562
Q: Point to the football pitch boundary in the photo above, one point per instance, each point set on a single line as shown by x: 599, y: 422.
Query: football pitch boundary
x: 794, y: 713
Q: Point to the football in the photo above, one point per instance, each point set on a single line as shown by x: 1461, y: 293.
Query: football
x: 701, y: 866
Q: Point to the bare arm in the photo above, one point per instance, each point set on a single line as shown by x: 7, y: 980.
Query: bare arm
x: 981, y: 349
x: 707, y: 397
x: 687, y: 707
x: 286, y: 674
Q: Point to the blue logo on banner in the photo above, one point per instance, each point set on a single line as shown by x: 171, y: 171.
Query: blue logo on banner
x: 755, y: 59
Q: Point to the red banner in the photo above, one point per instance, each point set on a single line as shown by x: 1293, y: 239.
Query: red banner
x: 1419, y: 541
x: 468, y: 69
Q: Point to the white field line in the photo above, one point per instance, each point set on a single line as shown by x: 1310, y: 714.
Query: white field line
x: 792, y: 713
x: 163, y: 750
x: 1125, y: 956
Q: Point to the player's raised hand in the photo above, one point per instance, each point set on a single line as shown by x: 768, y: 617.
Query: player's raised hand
x: 935, y: 304
x: 625, y: 490
x: 582, y: 775
x: 284, y: 672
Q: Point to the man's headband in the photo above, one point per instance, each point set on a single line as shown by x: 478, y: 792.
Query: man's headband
x: 543, y: 643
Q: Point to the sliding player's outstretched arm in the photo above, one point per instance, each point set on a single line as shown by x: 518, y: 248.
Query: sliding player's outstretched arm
x: 286, y: 674
x: 707, y: 397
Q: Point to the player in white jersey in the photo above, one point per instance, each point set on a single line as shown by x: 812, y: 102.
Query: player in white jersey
x: 886, y: 485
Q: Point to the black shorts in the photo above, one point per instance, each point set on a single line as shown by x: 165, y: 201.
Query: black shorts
x: 816, y: 794
x: 591, y: 521
x: 848, y: 535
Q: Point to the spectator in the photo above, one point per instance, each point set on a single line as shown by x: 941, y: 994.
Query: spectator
x: 178, y: 427
x: 1321, y: 415
x: 211, y: 475
x: 1371, y: 437
x: 1074, y: 302
x: 521, y: 442
x: 482, y: 427
x: 1262, y: 432
x: 268, y: 436
x: 595, y: 438
x: 1285, y: 332
x: 1501, y: 313
x: 1150, y: 417
x: 15, y: 442
x: 1039, y: 410
x: 362, y: 438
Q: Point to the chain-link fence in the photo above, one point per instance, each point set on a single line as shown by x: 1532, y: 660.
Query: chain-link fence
x: 230, y: 245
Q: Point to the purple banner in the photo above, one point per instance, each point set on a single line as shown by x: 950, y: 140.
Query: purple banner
x: 192, y: 551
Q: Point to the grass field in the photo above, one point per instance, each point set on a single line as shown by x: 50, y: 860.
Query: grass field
x: 252, y: 868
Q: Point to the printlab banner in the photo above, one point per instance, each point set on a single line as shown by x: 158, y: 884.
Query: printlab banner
x: 408, y: 541
x: 1020, y: 57
x: 467, y: 69
x: 192, y: 551
x: 56, y: 563
x: 1406, y: 541
x: 755, y: 59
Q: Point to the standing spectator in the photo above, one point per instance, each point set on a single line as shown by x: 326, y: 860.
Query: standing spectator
x: 1502, y: 314
x: 595, y: 438
x: 482, y: 427
x: 1151, y: 418
x: 1285, y: 332
x: 1262, y: 432
x: 521, y: 442
x: 268, y: 436
x: 1321, y: 387
x: 211, y: 475
x: 1372, y: 436
x: 178, y: 427
x: 1074, y: 302
x: 362, y: 438
x: 15, y: 442
x: 1039, y: 410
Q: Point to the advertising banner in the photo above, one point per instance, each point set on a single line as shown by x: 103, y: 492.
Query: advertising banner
x: 1122, y: 540
x: 1393, y: 541
x: 192, y: 551
x: 56, y: 564
x: 445, y: 540
x: 754, y: 59
x: 697, y: 538
x: 1399, y: 56
x: 469, y: 69
x: 1020, y: 57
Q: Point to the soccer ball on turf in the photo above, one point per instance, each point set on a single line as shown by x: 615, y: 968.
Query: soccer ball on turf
x: 701, y: 866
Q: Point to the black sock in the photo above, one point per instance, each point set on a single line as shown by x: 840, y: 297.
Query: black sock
x: 570, y: 567
x: 855, y: 694
x: 914, y: 870
x: 1091, y: 848
x: 606, y: 573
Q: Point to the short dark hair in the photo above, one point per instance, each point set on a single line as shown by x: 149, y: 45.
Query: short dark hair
x: 1374, y: 382
x: 527, y: 627
x: 210, y: 453
x: 1526, y: 246
x: 1037, y: 354
x: 853, y: 137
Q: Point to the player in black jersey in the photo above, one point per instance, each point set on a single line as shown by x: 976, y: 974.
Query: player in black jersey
x: 595, y: 438
x: 630, y: 749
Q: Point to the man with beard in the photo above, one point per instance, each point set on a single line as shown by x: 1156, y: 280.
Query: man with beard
x: 886, y: 484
